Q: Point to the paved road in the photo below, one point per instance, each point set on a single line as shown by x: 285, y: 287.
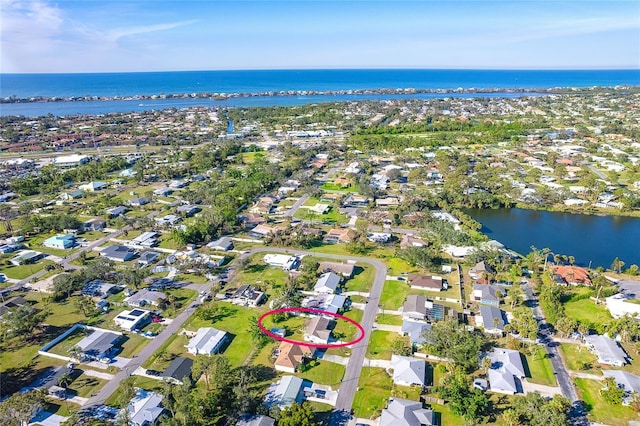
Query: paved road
x: 349, y: 385
x: 155, y: 343
x: 294, y: 208
x: 578, y: 416
x: 600, y: 174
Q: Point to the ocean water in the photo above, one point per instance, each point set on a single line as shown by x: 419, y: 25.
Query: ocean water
x: 150, y: 83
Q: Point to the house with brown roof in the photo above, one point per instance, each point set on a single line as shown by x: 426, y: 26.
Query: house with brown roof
x: 409, y: 240
x: 344, y: 269
x: 251, y: 220
x: 339, y: 235
x: 263, y: 205
x: 264, y: 230
x: 290, y: 356
x: 317, y: 330
x: 427, y: 282
x: 572, y: 275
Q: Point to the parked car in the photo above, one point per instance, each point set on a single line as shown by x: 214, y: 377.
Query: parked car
x: 153, y: 373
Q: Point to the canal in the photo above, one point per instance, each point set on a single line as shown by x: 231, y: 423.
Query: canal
x: 589, y: 238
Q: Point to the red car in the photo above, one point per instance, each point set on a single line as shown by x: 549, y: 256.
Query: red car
x: 156, y: 318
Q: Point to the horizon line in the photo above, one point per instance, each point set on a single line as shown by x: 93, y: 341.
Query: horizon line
x: 331, y: 69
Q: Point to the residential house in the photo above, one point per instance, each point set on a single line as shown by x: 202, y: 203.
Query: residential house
x: 162, y: 192
x: 178, y: 370
x: 118, y: 253
x: 339, y: 235
x: 247, y: 295
x: 627, y: 381
x: 72, y: 195
x: 145, y: 297
x: 324, y: 302
x: 100, y: 344
x: 72, y: 160
x: 317, y: 330
x: 60, y: 242
x: 607, y: 350
x: 328, y: 283
x: 146, y: 239
x: 409, y: 240
x: 572, y: 275
x: 255, y: 420
x: 283, y: 261
x: 14, y: 302
x: 408, y: 371
x: 427, y: 282
x: 263, y: 205
x: 318, y: 208
x: 385, y: 203
x: 148, y: 257
x: 9, y: 248
x: 285, y: 392
x: 251, y: 220
x: 93, y: 186
x: 344, y: 269
x: 415, y: 307
x: 221, y: 244
x: 506, y: 371
x: 415, y: 330
x: 94, y: 225
x: 207, y: 341
x: 403, y: 412
x: 480, y: 269
x: 133, y: 319
x: 145, y: 408
x: 491, y: 319
x: 290, y: 356
x: 355, y: 200
x: 116, y: 211
x: 379, y: 237
x: 26, y: 257
x: 487, y: 294
x: 99, y: 288
x: 178, y: 184
x: 264, y: 230
x: 188, y: 210
x: 167, y: 220
x: 138, y: 202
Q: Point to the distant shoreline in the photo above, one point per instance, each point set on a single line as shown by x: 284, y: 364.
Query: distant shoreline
x: 381, y: 91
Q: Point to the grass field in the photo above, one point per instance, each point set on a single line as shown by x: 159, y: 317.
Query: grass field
x: 575, y: 355
x: 380, y: 344
x: 389, y: 319
x: 393, y: 294
x: 363, y: 276
x: 85, y: 385
x: 23, y: 271
x: 325, y: 373
x: 374, y: 389
x: 598, y: 409
x: 540, y: 368
x: 346, y: 328
x: 586, y: 311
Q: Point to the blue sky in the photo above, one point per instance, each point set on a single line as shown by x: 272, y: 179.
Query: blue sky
x: 155, y: 35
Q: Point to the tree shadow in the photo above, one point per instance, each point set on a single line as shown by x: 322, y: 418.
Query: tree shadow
x: 256, y: 268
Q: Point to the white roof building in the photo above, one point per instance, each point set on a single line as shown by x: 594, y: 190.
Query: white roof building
x: 408, y: 371
x: 283, y: 261
x: 607, y: 350
x: 133, y: 319
x: 327, y: 283
x: 207, y: 341
x: 627, y: 381
x: 145, y: 408
x: 506, y: 367
x: 403, y: 412
x: 618, y: 306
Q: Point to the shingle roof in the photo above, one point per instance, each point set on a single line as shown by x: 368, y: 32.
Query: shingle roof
x: 415, y: 329
x: 607, y: 349
x: 179, y: 368
x: 408, y: 370
x: 402, y: 412
x: 491, y: 317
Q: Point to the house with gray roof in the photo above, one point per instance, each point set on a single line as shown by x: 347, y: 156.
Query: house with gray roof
x: 178, y: 370
x: 221, y: 244
x: 487, y: 294
x: 255, y: 420
x: 408, y: 371
x: 607, y: 350
x: 506, y: 371
x: 415, y: 307
x: 100, y: 344
x: 145, y: 408
x: 415, y: 331
x: 327, y: 283
x: 491, y: 319
x: 344, y: 269
x: 627, y: 381
x: 317, y: 330
x: 207, y: 341
x: 285, y: 392
x: 116, y: 211
x: 118, y: 253
x: 148, y: 257
x: 403, y: 412
x: 145, y: 297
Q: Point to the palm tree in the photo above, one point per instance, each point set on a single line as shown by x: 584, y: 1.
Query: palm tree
x: 76, y: 353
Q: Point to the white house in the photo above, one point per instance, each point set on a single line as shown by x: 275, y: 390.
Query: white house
x: 145, y: 408
x: 133, y: 319
x: 207, y: 341
x: 403, y: 412
x: 327, y: 283
x: 607, y: 350
x: 619, y: 306
x: 317, y: 330
x: 408, y: 371
x: 283, y: 261
x: 506, y: 367
x: 93, y: 186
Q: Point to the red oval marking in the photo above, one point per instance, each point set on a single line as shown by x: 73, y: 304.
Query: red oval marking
x: 313, y: 311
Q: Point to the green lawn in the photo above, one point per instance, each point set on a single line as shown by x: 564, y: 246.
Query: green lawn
x: 373, y: 392
x: 233, y: 319
x: 349, y: 330
x: 23, y: 271
x: 389, y: 319
x: 329, y: 186
x: 363, y: 276
x: 173, y: 347
x: 133, y: 345
x: 586, y: 311
x: 63, y: 347
x: 575, y: 354
x: 380, y: 344
x: 86, y: 385
x: 398, y: 266
x: 393, y: 294
x: 257, y: 271
x: 598, y: 409
x: 192, y: 278
x: 540, y: 368
x: 325, y: 373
